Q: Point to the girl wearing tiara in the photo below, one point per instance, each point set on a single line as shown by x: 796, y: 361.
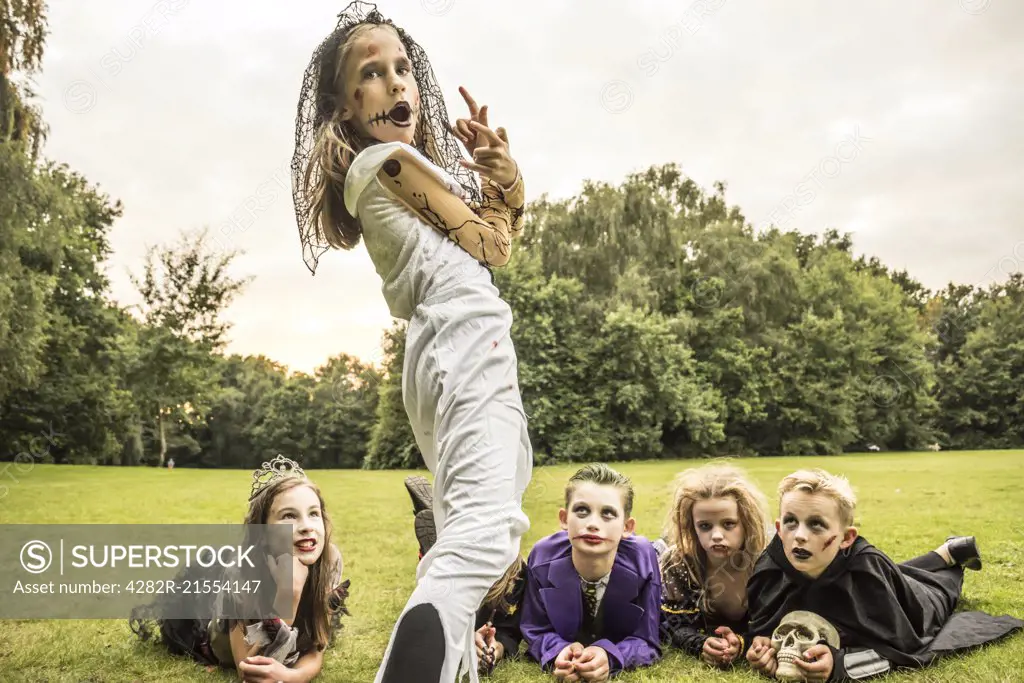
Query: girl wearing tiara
x: 716, y: 529
x: 281, y: 649
x: 376, y: 158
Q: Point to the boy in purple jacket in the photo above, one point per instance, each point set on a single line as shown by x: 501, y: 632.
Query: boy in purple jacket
x: 593, y: 589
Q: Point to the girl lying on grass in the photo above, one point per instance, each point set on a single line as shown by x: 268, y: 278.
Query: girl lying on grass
x: 717, y: 528
x: 289, y: 647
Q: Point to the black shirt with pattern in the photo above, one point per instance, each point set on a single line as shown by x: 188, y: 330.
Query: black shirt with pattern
x: 683, y: 624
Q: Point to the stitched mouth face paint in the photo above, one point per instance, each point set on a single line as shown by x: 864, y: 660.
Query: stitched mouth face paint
x: 383, y: 92
x: 400, y: 115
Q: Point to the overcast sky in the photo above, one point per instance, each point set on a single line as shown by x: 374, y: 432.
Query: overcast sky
x: 897, y: 122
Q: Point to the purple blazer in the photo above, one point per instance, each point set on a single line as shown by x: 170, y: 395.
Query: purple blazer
x: 553, y: 606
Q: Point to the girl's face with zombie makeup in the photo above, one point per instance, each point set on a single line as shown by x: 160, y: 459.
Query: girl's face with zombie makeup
x: 717, y: 524
x: 300, y: 507
x: 812, y: 531
x: 382, y: 99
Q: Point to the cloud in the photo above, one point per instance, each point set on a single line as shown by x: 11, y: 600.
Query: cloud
x: 184, y: 111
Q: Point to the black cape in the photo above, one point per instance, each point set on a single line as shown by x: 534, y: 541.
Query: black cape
x: 904, y: 613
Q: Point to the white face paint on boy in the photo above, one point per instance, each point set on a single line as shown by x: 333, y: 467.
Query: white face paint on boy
x: 811, y: 531
x: 382, y: 99
x: 596, y: 519
x: 300, y: 507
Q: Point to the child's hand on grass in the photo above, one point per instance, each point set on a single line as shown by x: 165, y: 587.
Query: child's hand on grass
x: 263, y: 670
x: 565, y: 662
x: 721, y: 651
x: 593, y: 664
x: 761, y: 656
x: 485, y: 639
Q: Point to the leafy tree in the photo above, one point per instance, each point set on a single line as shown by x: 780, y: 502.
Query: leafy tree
x: 286, y: 421
x: 79, y: 387
x: 344, y: 411
x: 392, y: 443
x: 236, y: 406
x: 22, y: 39
x: 30, y: 254
x: 185, y: 288
x: 982, y: 385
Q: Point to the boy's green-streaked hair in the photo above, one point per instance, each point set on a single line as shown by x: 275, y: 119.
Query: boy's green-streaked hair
x: 602, y: 475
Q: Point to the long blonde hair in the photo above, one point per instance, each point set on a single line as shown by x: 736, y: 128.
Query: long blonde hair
x: 714, y: 480
x: 337, y: 144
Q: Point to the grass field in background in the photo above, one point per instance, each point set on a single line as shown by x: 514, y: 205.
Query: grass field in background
x: 908, y: 504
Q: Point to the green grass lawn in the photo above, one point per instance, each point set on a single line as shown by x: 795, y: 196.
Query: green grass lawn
x: 908, y: 504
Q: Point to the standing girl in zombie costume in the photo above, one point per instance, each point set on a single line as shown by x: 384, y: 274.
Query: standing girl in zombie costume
x: 716, y: 530
x: 376, y: 158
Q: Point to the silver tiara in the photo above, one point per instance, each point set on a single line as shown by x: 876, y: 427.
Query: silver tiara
x: 278, y: 468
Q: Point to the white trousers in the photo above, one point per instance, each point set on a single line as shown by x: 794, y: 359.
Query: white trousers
x: 461, y: 392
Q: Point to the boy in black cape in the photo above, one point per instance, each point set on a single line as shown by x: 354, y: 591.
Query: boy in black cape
x: 888, y: 615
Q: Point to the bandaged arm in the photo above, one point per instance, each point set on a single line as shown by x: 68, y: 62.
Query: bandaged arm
x: 486, y: 235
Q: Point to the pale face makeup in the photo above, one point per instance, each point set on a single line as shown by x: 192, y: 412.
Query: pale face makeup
x: 716, y: 522
x: 811, y: 531
x: 382, y: 99
x: 595, y: 519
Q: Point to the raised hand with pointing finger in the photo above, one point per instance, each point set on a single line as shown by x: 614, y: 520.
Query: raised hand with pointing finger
x: 489, y: 148
x: 462, y: 129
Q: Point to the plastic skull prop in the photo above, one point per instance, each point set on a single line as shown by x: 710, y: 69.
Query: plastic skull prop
x: 794, y: 636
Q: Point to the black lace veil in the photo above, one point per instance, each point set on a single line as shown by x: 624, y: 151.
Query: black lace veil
x: 318, y: 101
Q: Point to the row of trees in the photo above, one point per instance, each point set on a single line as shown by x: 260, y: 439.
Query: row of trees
x: 651, y: 321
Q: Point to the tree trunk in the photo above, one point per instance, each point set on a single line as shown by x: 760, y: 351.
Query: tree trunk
x: 163, y: 437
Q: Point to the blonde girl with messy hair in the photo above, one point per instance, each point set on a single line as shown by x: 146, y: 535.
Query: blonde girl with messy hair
x: 376, y: 159
x: 715, y: 530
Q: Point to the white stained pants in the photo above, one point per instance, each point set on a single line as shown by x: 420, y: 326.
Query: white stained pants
x: 462, y: 395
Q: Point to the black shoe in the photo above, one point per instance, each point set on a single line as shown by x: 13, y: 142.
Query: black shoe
x: 421, y: 493
x: 964, y: 551
x: 418, y: 651
x: 426, y: 533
